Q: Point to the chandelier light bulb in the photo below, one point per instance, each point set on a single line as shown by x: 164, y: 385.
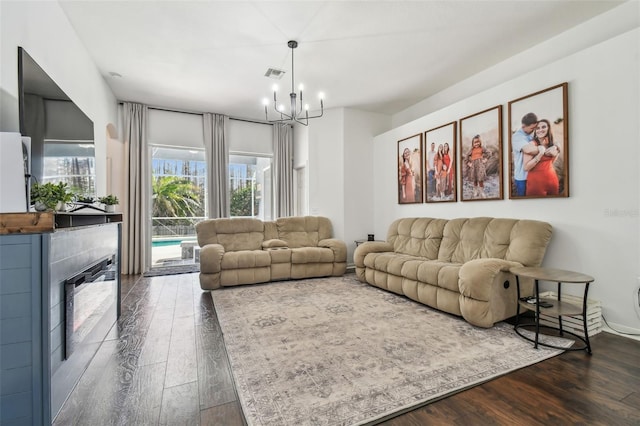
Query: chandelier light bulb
x: 265, y: 101
x: 275, y: 87
x: 306, y: 107
x: 301, y: 87
x: 321, y: 95
x: 281, y: 108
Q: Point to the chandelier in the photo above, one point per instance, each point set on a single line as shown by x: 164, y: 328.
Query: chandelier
x: 298, y: 112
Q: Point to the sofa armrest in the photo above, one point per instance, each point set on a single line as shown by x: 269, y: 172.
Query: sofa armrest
x: 211, y: 258
x: 477, y: 275
x: 338, y: 247
x: 274, y: 243
x: 369, y: 247
x: 487, y: 294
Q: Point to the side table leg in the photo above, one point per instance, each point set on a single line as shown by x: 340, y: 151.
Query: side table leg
x: 584, y: 318
x: 559, y: 299
x: 518, y: 301
x: 535, y: 346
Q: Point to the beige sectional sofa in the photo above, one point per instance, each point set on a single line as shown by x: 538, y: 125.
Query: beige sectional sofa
x: 460, y: 266
x: 249, y: 251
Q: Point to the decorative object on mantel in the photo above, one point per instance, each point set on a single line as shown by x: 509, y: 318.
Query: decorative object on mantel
x: 51, y: 196
x: 295, y: 114
x: 110, y: 202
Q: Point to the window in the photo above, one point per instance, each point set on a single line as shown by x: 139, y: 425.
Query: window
x: 250, y: 185
x: 71, y: 162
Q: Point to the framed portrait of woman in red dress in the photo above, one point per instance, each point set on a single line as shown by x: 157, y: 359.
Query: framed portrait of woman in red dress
x: 410, y: 170
x: 440, y: 163
x: 539, y: 144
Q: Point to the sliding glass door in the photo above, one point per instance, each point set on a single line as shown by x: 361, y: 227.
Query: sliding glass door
x: 178, y: 181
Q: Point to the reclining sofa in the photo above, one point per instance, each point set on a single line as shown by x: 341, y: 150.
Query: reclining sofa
x: 250, y: 251
x: 460, y: 266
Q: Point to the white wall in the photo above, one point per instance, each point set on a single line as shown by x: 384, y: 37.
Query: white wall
x: 326, y: 171
x: 359, y: 129
x: 42, y: 29
x: 596, y: 229
x: 340, y: 158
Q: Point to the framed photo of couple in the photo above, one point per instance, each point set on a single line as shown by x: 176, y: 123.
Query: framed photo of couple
x: 539, y: 144
x: 481, y: 155
x: 440, y: 162
x: 410, y: 170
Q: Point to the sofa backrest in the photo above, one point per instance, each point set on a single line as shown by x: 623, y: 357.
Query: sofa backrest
x: 464, y: 239
x: 417, y: 236
x: 303, y: 231
x: 233, y: 234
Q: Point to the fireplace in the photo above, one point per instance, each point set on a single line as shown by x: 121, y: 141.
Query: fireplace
x: 89, y: 295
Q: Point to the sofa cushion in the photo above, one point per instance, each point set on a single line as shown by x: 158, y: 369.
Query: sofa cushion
x: 233, y: 234
x: 303, y: 231
x: 462, y: 239
x: 389, y: 262
x: 311, y: 255
x: 529, y: 241
x: 417, y: 236
x: 245, y: 259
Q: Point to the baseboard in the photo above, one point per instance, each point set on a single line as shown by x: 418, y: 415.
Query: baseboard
x: 622, y: 330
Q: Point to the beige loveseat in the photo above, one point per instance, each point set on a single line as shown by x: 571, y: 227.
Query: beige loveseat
x: 460, y: 266
x: 249, y: 251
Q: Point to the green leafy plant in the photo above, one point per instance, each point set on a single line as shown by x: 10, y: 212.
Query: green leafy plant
x: 241, y: 199
x: 86, y: 199
x: 109, y: 200
x: 175, y: 197
x: 50, y: 194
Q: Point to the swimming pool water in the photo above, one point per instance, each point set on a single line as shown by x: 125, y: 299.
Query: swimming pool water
x: 165, y: 243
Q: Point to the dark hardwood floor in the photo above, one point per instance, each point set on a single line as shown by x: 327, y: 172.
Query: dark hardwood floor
x: 164, y: 363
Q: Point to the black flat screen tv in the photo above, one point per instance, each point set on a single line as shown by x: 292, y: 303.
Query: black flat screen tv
x: 50, y: 118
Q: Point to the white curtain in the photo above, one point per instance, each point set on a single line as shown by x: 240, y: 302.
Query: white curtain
x: 217, y: 155
x: 136, y: 226
x: 283, y: 158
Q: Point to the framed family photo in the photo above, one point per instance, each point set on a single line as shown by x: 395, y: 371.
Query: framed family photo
x: 539, y: 144
x: 410, y: 170
x: 440, y: 161
x: 481, y: 155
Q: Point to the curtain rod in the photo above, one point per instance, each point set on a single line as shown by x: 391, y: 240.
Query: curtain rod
x: 248, y: 120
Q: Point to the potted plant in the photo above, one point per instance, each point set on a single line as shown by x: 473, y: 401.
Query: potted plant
x: 110, y: 202
x: 85, y: 199
x: 51, y: 196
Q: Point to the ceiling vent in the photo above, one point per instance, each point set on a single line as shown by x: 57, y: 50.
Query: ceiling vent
x: 274, y: 73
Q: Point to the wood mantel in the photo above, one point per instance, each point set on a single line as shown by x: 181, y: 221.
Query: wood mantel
x: 38, y: 222
x: 26, y: 223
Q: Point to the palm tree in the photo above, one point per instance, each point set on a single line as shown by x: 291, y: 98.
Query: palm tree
x: 175, y: 197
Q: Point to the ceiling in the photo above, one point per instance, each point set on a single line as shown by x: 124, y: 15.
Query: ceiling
x: 211, y: 56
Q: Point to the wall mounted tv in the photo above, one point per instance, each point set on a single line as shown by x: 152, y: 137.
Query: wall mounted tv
x: 62, y: 138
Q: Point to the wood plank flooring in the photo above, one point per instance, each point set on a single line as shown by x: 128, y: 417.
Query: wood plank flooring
x: 164, y: 363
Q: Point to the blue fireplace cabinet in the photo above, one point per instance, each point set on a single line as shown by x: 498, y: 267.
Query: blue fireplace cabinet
x: 44, y: 278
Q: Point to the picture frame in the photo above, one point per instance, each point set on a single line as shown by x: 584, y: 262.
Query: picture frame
x: 481, y: 155
x: 409, y: 177
x: 532, y: 173
x: 441, y: 179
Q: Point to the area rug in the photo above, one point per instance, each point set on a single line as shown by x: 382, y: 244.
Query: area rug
x: 334, y: 351
x: 172, y: 270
